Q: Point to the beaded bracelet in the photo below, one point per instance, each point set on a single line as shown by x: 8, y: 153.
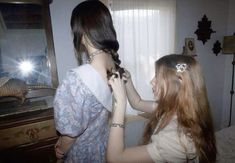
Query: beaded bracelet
x: 117, y: 125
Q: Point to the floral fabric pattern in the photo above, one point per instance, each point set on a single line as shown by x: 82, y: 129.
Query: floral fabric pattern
x: 78, y: 113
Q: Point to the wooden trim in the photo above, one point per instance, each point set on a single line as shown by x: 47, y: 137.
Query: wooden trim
x: 23, y: 120
x: 42, y: 151
x: 50, y: 45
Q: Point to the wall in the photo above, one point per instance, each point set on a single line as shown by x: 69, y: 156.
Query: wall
x: 60, y: 16
x: 188, y: 14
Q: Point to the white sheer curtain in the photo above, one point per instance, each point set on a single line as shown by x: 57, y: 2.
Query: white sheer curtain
x: 146, y: 32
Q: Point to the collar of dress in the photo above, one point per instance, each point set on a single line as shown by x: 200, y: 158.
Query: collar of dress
x: 95, y: 83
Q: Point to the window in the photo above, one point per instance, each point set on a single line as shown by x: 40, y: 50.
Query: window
x: 145, y: 31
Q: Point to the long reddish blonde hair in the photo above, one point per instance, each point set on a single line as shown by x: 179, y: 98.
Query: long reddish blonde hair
x: 183, y: 94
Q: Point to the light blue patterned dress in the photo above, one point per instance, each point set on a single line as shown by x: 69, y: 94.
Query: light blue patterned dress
x: 81, y: 109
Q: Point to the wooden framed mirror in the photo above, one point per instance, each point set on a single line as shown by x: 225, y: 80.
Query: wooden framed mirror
x: 27, y: 59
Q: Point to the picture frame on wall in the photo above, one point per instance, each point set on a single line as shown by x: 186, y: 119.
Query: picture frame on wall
x: 190, y: 48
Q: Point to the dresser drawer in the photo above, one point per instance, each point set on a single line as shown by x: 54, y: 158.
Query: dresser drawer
x: 28, y: 133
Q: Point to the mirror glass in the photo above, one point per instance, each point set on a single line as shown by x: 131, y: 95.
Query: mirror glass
x: 23, y: 45
x: 26, y: 50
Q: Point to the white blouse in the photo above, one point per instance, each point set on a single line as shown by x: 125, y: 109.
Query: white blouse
x: 169, y: 146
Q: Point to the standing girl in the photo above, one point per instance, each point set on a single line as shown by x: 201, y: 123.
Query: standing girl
x: 83, y: 101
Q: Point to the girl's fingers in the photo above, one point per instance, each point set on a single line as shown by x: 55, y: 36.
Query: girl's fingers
x: 115, y: 75
x: 126, y: 76
x: 111, y: 80
x: 59, y: 153
x: 116, y: 82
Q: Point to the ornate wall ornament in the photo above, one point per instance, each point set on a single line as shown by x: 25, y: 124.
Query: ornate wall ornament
x: 204, y: 30
x: 217, y: 47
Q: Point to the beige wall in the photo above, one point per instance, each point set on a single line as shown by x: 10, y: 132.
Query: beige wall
x: 105, y: 2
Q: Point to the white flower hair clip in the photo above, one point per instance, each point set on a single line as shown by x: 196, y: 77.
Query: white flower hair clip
x: 181, y: 67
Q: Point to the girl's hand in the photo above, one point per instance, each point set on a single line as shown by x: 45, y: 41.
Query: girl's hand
x: 118, y: 88
x: 59, y: 153
x: 126, y: 76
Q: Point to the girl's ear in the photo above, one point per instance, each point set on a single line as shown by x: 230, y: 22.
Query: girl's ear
x: 83, y: 40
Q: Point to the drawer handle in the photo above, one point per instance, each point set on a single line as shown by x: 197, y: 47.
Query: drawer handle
x: 32, y: 133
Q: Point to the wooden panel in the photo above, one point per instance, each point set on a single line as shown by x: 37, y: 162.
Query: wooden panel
x: 30, y: 133
x: 41, y: 152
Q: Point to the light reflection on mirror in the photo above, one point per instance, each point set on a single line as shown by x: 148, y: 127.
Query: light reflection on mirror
x: 26, y: 67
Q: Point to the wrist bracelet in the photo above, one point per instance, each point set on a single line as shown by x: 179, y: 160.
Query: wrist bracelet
x: 117, y: 125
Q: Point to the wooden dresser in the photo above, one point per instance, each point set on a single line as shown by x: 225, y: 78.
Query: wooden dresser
x: 28, y: 137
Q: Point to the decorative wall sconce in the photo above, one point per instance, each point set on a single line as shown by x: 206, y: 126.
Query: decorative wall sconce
x: 204, y: 30
x: 217, y: 47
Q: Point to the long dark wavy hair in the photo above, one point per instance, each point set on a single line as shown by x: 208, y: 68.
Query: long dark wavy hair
x: 92, y: 19
x: 183, y: 94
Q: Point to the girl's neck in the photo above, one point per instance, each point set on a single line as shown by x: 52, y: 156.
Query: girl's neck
x: 100, y: 60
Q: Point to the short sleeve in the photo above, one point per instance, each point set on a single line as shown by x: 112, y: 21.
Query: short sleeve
x: 166, y: 147
x: 69, y: 115
x: 156, y: 150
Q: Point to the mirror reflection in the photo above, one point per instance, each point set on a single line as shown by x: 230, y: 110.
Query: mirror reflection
x: 23, y: 44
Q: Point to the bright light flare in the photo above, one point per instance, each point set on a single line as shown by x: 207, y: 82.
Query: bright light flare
x: 26, y: 67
